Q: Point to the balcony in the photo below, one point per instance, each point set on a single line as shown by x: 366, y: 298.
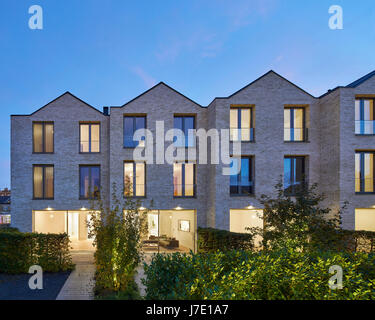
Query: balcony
x: 293, y: 189
x: 184, y: 190
x: 244, y: 135
x: 365, y: 127
x: 295, y: 134
x: 366, y: 185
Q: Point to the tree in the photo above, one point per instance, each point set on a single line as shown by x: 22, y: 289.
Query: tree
x: 297, y: 222
x: 117, y: 232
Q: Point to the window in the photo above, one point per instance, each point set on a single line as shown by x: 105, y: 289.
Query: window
x: 43, y: 137
x: 134, y: 179
x: 241, y: 124
x: 4, y: 218
x: 89, y: 181
x: 364, y: 116
x: 43, y: 181
x: 131, y: 125
x: 184, y: 179
x: 241, y: 178
x: 89, y: 136
x: 184, y: 123
x: 294, y: 174
x: 294, y: 124
x: 364, y: 172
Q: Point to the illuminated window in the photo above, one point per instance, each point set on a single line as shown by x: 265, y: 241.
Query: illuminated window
x: 241, y: 124
x: 43, y: 181
x: 184, y: 179
x: 294, y: 124
x: 89, y: 137
x: 134, y: 179
x: 4, y: 218
x: 364, y: 172
x: 364, y: 116
x: 131, y: 125
x: 89, y: 181
x: 43, y: 137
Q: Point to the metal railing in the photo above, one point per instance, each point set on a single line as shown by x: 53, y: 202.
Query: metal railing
x: 364, y: 127
x: 244, y: 134
x: 296, y: 134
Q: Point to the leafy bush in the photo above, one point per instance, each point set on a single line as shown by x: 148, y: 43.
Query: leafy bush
x: 282, y: 274
x: 213, y: 239
x: 19, y: 251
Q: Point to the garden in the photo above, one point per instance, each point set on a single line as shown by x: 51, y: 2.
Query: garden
x: 19, y: 251
x: 300, y: 243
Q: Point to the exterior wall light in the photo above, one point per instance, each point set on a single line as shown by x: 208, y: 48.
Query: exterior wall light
x: 49, y: 208
x: 142, y: 208
x: 178, y: 208
x: 83, y: 209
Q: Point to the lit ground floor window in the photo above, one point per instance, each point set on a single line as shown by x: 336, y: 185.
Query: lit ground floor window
x: 240, y: 219
x: 170, y: 230
x: 74, y: 223
x: 365, y: 219
x: 4, y: 218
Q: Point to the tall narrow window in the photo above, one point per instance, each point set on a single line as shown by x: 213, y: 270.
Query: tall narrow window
x: 182, y: 138
x: 134, y: 179
x: 241, y: 178
x: 131, y: 125
x: 241, y: 124
x: 294, y: 174
x: 364, y: 116
x: 184, y: 179
x: 43, y: 137
x: 89, y: 181
x: 294, y: 124
x: 89, y: 137
x: 43, y: 181
x: 364, y: 172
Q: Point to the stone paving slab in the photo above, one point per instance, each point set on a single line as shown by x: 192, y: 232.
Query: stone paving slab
x: 80, y: 284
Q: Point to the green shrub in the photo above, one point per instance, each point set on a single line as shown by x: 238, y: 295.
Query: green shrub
x: 19, y: 251
x: 282, y: 274
x: 211, y: 240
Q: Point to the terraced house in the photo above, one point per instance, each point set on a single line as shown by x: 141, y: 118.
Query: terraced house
x: 66, y: 149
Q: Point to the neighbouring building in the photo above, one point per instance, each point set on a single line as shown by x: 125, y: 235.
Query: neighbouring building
x: 5, y: 207
x: 65, y: 152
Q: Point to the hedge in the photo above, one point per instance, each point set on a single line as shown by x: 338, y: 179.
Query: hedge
x: 272, y: 275
x: 211, y: 240
x: 19, y: 251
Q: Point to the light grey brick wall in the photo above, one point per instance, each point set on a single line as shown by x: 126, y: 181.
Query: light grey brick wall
x: 330, y: 150
x: 66, y: 112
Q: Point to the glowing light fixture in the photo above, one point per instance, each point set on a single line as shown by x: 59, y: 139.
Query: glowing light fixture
x: 250, y: 207
x: 142, y: 208
x: 49, y: 208
x: 83, y: 208
x: 178, y: 208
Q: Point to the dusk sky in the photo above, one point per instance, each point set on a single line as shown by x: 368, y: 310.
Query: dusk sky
x: 108, y: 52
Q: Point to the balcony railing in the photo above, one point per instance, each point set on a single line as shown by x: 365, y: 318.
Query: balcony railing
x: 366, y: 185
x: 184, y: 190
x: 364, y: 127
x: 244, y: 135
x: 242, y: 189
x: 296, y: 134
x: 295, y: 188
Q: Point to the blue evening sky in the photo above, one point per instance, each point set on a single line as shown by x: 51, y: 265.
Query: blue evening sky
x: 108, y: 52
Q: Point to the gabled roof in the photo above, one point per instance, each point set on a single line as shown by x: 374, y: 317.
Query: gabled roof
x: 67, y: 92
x: 361, y: 80
x: 261, y: 77
x: 160, y: 83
